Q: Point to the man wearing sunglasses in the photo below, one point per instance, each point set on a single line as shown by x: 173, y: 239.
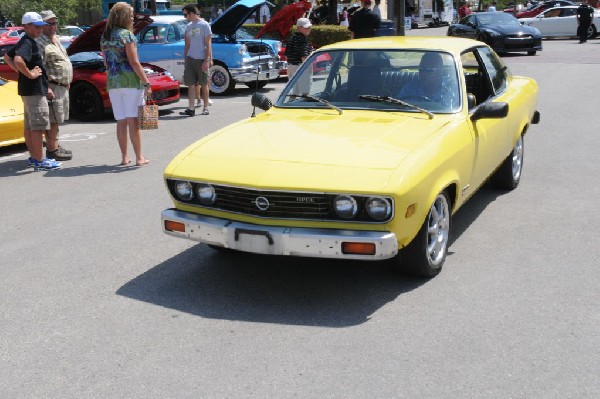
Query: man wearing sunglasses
x: 60, y: 74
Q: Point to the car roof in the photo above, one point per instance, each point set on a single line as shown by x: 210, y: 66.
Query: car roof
x: 167, y: 19
x: 454, y: 45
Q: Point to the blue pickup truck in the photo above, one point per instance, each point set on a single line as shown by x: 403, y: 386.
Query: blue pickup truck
x: 235, y: 60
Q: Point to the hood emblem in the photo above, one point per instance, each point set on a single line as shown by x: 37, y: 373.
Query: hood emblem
x: 262, y: 203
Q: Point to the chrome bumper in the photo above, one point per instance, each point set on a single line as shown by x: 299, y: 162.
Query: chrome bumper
x: 276, y: 240
x: 245, y: 75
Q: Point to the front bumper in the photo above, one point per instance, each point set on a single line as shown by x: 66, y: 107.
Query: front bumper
x: 278, y: 240
x: 245, y: 75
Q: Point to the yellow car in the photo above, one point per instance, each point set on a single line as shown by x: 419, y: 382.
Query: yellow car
x: 11, y: 114
x: 366, y: 154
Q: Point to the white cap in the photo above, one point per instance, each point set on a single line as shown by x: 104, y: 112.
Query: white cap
x: 32, y: 18
x: 304, y: 23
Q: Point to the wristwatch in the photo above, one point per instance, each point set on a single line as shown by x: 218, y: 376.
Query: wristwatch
x: 147, y: 84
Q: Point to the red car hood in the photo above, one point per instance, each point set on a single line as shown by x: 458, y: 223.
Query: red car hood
x: 90, y: 39
x: 282, y: 22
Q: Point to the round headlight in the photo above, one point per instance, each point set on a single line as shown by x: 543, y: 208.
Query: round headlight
x: 378, y: 208
x: 345, y: 206
x: 206, y: 194
x: 184, y: 190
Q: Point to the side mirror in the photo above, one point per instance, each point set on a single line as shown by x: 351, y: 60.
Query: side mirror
x: 490, y: 110
x: 471, y: 100
x: 261, y: 101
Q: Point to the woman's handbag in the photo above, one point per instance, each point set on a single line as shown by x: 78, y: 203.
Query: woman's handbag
x: 148, y: 115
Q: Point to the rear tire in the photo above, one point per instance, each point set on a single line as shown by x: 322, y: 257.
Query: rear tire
x: 592, y: 32
x: 425, y: 255
x: 508, y: 175
x: 220, y: 80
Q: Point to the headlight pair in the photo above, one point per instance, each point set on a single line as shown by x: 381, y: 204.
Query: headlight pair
x: 347, y: 207
x: 204, y: 192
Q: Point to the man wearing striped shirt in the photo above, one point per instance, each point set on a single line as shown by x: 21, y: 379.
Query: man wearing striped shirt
x: 60, y: 74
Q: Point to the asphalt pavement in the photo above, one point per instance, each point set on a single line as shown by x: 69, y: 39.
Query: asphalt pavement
x: 96, y: 302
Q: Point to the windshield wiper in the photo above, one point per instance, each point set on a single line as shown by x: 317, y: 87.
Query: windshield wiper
x: 392, y: 100
x: 315, y: 99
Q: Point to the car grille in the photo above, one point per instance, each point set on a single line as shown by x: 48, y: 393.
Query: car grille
x: 159, y: 95
x: 518, y: 41
x: 276, y: 204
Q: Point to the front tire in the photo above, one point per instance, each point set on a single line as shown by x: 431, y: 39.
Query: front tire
x: 85, y: 102
x: 221, y: 81
x: 508, y: 175
x: 425, y: 255
x: 532, y: 52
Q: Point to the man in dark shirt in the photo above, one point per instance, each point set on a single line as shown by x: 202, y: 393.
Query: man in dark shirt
x: 26, y: 58
x: 585, y: 14
x: 364, y: 22
x: 298, y: 47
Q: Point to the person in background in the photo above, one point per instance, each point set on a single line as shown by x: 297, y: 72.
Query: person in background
x: 376, y: 9
x: 60, y: 74
x: 585, y: 14
x: 264, y: 14
x: 126, y: 81
x: 298, y: 47
x: 492, y: 8
x: 364, y: 22
x: 25, y: 57
x: 344, y: 17
x: 198, y: 58
x: 463, y: 10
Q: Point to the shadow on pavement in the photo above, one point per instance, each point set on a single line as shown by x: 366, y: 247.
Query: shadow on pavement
x: 282, y: 290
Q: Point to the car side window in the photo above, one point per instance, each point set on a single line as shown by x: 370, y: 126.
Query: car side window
x: 568, y: 12
x: 496, y: 70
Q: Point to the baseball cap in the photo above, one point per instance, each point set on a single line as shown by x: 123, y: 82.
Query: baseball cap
x: 32, y: 18
x: 304, y: 23
x: 47, y: 14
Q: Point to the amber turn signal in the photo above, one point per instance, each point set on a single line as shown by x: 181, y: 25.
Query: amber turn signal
x: 174, y: 226
x: 358, y: 248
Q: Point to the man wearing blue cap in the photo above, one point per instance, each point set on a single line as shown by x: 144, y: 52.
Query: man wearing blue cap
x: 26, y: 58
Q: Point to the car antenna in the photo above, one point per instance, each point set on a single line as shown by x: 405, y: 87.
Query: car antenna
x: 256, y: 82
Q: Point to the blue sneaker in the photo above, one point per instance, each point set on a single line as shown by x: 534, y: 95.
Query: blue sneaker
x: 46, y: 164
x: 30, y: 162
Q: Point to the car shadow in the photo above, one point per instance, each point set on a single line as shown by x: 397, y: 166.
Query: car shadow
x: 269, y: 289
x: 227, y: 285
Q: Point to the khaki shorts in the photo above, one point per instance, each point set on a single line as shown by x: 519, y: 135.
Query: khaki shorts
x: 59, y: 106
x: 37, y: 115
x: 193, y: 73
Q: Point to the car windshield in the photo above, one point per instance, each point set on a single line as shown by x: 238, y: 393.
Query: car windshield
x: 85, y: 57
x: 374, y: 79
x: 497, y: 18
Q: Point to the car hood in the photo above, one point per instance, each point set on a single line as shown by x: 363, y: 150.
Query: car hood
x: 309, y: 149
x: 283, y: 21
x: 90, y: 39
x: 510, y: 29
x: 235, y: 16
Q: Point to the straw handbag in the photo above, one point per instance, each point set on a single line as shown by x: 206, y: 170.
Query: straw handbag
x: 148, y: 115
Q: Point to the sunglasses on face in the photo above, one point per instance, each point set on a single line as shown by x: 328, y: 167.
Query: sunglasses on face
x: 52, y: 23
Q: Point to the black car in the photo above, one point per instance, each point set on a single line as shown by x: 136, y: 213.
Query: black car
x: 501, y: 31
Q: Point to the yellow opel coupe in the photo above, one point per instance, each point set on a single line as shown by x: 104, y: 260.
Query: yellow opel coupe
x: 366, y: 154
x: 11, y: 114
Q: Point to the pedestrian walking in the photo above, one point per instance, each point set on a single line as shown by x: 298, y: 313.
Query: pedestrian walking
x: 463, y: 10
x: 344, y: 17
x: 25, y: 57
x: 492, y: 8
x: 60, y: 74
x: 585, y: 14
x: 125, y: 79
x: 364, y: 22
x: 198, y: 58
x: 264, y: 14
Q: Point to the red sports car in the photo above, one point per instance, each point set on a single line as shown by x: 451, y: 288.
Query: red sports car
x: 89, y: 97
x: 542, y: 7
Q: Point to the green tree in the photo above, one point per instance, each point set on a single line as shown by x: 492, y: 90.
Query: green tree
x: 65, y: 10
